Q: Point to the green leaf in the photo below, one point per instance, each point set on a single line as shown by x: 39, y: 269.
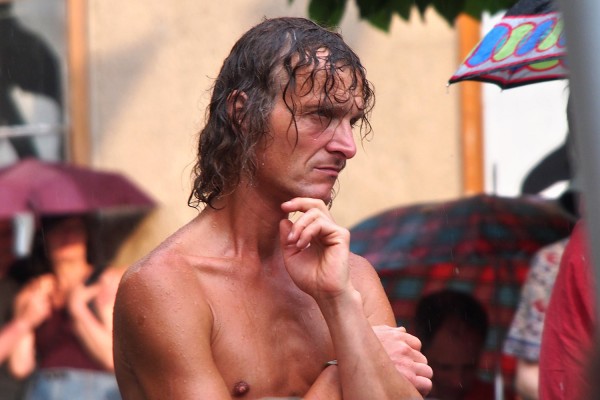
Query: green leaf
x: 422, y: 6
x: 475, y: 8
x: 402, y: 8
x: 449, y: 9
x: 369, y: 7
x: 494, y: 6
x: 326, y: 12
x: 381, y: 19
x: 379, y: 12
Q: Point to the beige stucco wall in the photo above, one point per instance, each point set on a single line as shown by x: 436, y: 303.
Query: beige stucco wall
x: 151, y: 65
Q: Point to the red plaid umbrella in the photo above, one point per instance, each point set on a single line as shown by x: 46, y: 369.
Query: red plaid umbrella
x: 481, y: 244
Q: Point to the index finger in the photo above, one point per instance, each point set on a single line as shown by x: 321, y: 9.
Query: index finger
x: 304, y: 204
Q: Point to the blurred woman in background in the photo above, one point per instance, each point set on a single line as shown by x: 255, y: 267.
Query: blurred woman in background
x: 69, y: 355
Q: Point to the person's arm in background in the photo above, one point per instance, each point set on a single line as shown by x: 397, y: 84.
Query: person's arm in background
x: 526, y: 379
x: 32, y: 307
x: 29, y: 316
x: 94, y: 330
x: 525, y: 334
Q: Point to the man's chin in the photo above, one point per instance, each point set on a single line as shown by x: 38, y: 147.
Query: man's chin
x: 327, y: 195
x: 328, y: 200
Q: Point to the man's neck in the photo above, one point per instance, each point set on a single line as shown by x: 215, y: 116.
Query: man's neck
x: 250, y: 221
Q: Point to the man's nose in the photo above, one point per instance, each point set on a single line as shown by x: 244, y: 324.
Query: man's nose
x: 342, y: 140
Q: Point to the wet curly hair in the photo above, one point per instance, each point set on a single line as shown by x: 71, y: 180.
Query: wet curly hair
x: 264, y: 63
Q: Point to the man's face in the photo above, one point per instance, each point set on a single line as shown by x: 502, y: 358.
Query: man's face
x: 307, y: 162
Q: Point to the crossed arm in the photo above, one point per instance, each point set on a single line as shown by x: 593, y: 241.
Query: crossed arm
x: 383, y: 363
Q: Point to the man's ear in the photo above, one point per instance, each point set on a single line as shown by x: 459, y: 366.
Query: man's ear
x: 236, y: 102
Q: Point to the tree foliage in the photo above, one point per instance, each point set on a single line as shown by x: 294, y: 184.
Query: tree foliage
x: 380, y: 12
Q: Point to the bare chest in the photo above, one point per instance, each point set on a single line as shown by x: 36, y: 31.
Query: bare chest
x: 269, y: 342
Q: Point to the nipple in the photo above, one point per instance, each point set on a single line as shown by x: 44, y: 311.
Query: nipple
x: 240, y: 389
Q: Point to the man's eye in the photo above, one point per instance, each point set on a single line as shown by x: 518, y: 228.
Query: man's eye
x: 324, y: 113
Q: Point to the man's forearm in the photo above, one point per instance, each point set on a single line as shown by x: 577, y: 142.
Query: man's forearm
x: 364, y: 367
x: 326, y: 387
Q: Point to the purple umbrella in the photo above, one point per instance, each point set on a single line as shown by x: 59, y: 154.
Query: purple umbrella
x: 113, y: 202
x: 48, y: 188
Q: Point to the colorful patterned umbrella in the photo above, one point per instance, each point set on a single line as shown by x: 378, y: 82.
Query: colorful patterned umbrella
x: 526, y: 46
x: 481, y: 244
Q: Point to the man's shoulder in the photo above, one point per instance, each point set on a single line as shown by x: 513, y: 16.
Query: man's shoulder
x: 159, y: 264
x: 163, y: 279
x: 359, y: 263
x: 180, y: 262
x: 355, y: 258
x: 362, y: 271
x: 176, y: 256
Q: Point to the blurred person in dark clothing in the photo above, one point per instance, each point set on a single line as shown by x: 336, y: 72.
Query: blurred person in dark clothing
x: 453, y: 327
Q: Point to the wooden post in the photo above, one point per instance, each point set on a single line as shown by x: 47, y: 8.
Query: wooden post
x: 469, y: 34
x: 79, y: 148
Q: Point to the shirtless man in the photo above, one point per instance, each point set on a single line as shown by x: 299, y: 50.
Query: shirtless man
x: 243, y: 301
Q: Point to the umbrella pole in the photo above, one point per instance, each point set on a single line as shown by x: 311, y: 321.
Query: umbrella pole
x: 582, y: 32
